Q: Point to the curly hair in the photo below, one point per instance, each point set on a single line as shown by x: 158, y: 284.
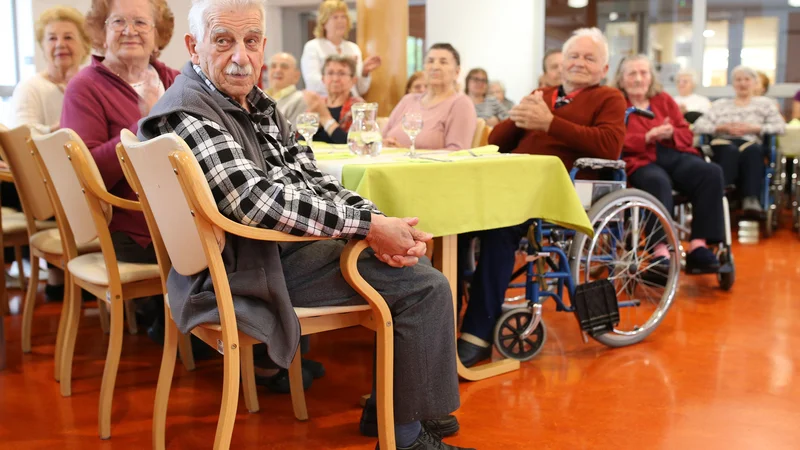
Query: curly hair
x: 326, y: 10
x: 100, y: 9
x: 63, y: 14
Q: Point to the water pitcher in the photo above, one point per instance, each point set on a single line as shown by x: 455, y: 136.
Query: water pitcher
x: 364, y: 137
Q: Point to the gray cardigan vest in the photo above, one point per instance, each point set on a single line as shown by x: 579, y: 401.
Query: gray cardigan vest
x: 260, y: 297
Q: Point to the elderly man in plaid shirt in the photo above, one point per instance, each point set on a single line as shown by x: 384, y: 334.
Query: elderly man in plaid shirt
x: 260, y: 176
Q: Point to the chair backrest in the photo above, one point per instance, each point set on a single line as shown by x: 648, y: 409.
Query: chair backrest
x: 150, y: 173
x: 476, y: 138
x: 29, y: 182
x: 66, y: 183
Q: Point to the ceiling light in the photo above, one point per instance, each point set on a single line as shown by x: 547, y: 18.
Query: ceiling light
x: 794, y: 3
x: 711, y: 33
x: 577, y: 3
x: 614, y: 16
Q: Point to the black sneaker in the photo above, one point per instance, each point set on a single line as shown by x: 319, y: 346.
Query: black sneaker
x: 428, y: 441
x: 279, y: 383
x: 657, y: 271
x: 443, y: 426
x: 471, y: 354
x: 314, y: 367
x: 701, y: 260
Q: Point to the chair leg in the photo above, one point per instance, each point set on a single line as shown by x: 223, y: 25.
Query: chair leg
x: 18, y: 256
x: 185, y: 349
x: 130, y: 316
x: 249, y: 379
x: 296, y: 387
x: 164, y: 384
x: 230, y: 398
x: 110, y: 370
x: 102, y: 308
x: 30, y: 303
x: 70, y: 333
x: 385, y: 387
x: 62, y: 324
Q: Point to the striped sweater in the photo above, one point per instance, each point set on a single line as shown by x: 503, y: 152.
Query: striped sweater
x: 761, y: 111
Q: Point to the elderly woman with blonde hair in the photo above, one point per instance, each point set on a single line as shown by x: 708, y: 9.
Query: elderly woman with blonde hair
x: 333, y: 27
x: 737, y: 125
x: 37, y: 101
x: 659, y: 157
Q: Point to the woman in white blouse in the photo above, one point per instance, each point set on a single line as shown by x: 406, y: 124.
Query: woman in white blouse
x: 37, y: 101
x: 333, y: 25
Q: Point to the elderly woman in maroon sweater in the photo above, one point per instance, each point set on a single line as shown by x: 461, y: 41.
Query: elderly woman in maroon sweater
x: 113, y: 93
x: 660, y: 157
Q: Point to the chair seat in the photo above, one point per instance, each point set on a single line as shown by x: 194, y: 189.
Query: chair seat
x: 306, y: 313
x: 92, y: 268
x: 49, y: 241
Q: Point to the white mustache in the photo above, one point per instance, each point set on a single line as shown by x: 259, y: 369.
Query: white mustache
x: 236, y: 69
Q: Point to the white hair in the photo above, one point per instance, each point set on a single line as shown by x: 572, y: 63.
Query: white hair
x: 198, y: 13
x: 745, y: 70
x: 687, y: 73
x: 499, y: 83
x: 594, y: 34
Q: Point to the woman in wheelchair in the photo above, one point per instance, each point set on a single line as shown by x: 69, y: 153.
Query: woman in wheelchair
x: 659, y: 157
x: 737, y: 126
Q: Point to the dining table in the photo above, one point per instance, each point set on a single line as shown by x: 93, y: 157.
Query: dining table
x: 455, y: 192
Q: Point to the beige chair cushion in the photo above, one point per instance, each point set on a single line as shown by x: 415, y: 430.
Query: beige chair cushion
x: 15, y: 223
x: 49, y: 241
x: 305, y: 313
x: 92, y: 268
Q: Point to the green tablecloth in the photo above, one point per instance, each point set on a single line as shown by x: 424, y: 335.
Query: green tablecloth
x: 463, y: 193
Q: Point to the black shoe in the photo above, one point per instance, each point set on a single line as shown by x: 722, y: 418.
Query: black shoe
x: 54, y: 293
x: 658, y: 271
x: 471, y: 354
x: 701, y: 260
x: 316, y: 368
x: 443, y: 426
x: 428, y: 441
x: 279, y: 383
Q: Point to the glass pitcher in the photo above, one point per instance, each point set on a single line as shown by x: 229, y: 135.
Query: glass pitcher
x: 364, y: 137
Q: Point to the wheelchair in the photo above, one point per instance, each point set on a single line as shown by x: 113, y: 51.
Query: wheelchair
x: 559, y: 262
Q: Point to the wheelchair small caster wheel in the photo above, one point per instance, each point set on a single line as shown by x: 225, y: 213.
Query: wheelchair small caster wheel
x: 508, y: 335
x: 727, y: 274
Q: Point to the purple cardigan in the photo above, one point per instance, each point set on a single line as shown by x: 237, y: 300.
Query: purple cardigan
x: 98, y: 104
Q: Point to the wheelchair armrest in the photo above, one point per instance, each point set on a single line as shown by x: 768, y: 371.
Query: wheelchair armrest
x: 597, y: 164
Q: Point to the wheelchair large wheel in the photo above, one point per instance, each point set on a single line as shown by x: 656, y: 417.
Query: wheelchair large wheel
x: 622, y: 252
x: 508, y: 335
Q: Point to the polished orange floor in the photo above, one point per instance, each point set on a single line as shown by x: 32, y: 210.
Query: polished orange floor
x: 720, y: 373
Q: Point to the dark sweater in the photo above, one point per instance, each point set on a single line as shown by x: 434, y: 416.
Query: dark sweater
x: 98, y: 104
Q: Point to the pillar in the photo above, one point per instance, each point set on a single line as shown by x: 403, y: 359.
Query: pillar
x: 383, y: 30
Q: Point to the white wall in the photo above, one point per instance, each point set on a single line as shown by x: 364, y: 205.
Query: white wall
x: 501, y: 38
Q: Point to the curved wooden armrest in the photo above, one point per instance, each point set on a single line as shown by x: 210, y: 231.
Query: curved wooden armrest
x: 183, y: 163
x: 88, y: 178
x: 348, y: 263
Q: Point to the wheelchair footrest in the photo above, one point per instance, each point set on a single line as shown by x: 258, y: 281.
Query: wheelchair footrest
x: 596, y: 307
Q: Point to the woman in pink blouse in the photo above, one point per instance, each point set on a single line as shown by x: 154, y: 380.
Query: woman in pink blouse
x: 449, y: 117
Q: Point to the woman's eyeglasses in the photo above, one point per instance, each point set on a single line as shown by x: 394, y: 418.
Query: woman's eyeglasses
x: 138, y: 24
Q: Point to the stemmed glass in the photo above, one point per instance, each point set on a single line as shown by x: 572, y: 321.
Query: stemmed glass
x: 307, y: 125
x: 412, y: 126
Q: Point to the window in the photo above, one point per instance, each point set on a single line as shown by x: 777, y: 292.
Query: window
x: 415, y: 54
x: 18, y: 49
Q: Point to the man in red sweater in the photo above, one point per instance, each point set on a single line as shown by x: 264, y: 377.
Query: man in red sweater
x: 578, y: 119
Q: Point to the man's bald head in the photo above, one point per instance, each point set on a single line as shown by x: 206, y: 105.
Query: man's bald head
x: 282, y: 71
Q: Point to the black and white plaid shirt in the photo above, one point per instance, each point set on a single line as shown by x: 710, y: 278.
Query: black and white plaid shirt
x: 293, y: 196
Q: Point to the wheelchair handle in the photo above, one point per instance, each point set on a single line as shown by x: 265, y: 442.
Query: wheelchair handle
x: 639, y: 112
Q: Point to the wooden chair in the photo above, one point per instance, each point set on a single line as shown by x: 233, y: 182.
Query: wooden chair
x: 480, y: 125
x: 188, y: 236
x: 87, y: 208
x: 44, y: 241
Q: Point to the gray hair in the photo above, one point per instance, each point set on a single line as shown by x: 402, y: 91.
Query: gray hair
x: 745, y: 70
x: 687, y: 73
x: 340, y: 59
x: 499, y: 83
x: 655, y: 86
x: 199, y: 10
x: 594, y: 34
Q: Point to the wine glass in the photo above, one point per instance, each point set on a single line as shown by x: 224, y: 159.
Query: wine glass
x: 412, y: 125
x: 307, y: 125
